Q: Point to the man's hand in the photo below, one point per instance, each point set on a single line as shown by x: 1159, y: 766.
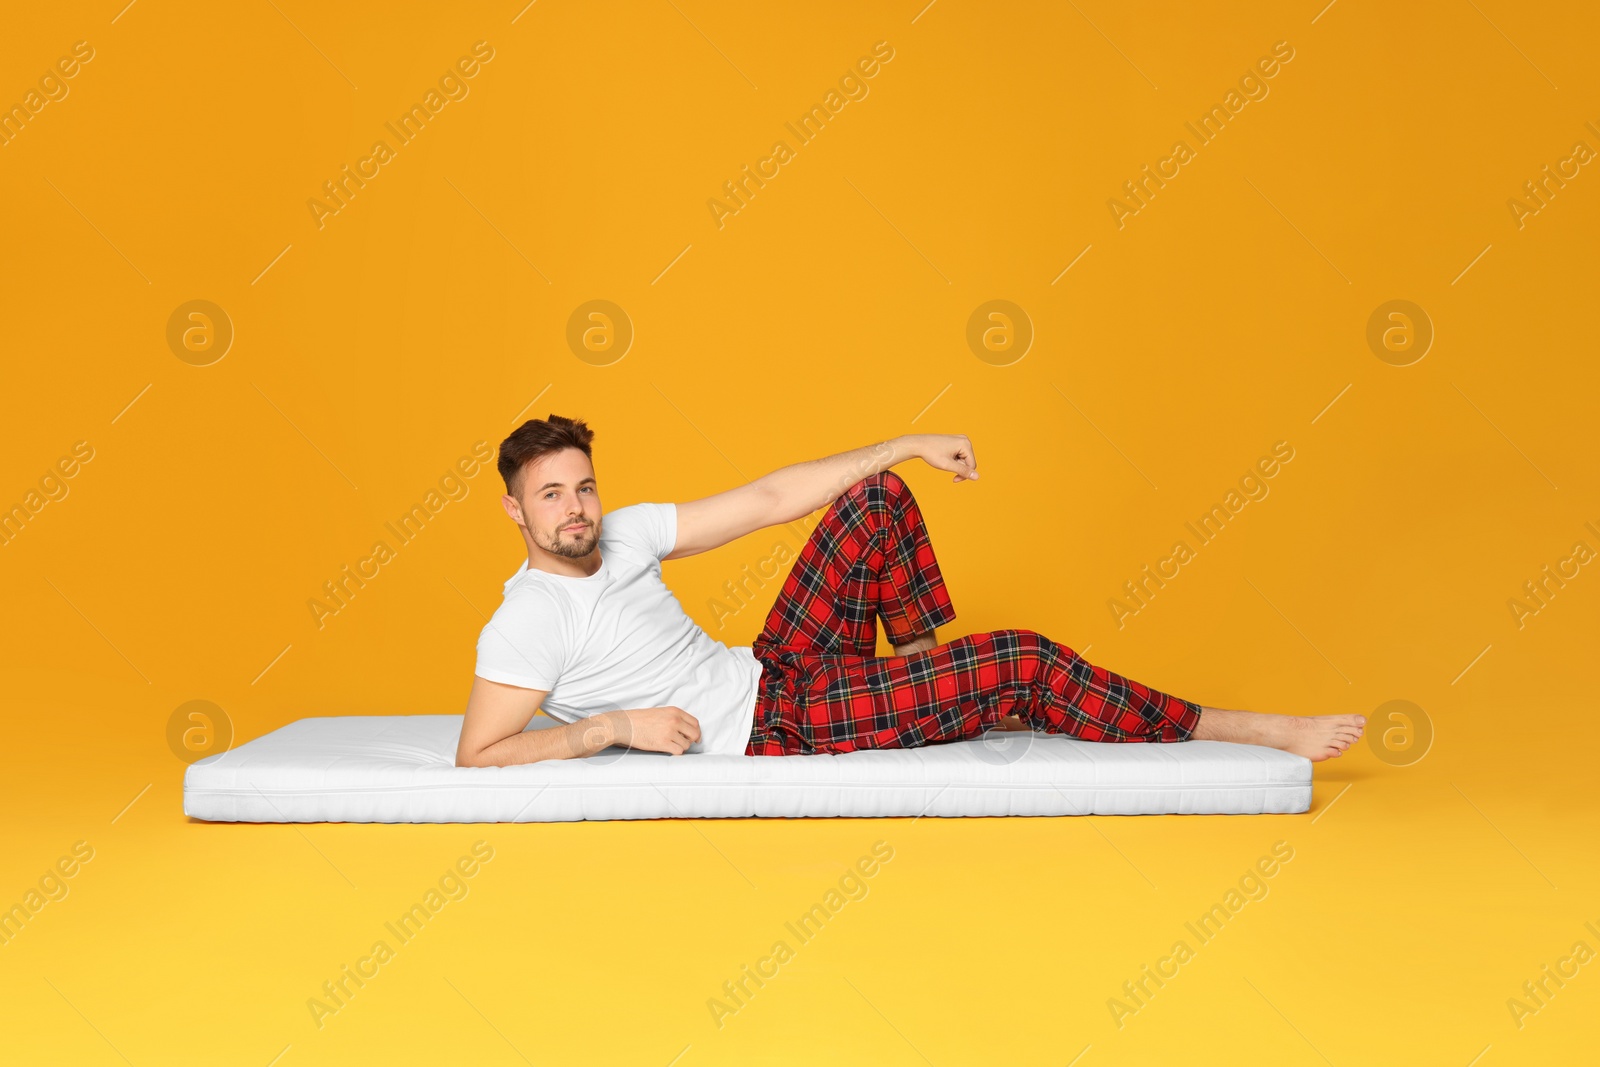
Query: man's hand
x: 948, y: 452
x: 669, y: 729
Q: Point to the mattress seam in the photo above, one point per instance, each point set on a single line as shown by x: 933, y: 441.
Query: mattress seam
x: 592, y: 786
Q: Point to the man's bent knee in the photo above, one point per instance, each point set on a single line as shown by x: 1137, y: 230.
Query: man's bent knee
x: 1029, y: 648
x: 891, y: 488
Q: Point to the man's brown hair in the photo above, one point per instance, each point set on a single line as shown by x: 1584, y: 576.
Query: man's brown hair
x: 534, y: 440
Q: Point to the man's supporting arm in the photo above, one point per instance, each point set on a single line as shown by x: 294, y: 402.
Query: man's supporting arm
x: 494, y: 729
x: 801, y: 488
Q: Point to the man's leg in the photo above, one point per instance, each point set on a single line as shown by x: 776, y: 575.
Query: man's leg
x: 869, y: 558
x: 961, y: 689
x: 956, y: 691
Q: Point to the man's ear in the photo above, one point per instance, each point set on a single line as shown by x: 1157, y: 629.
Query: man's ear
x: 513, y: 508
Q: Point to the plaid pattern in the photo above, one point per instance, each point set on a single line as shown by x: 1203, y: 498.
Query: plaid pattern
x: 824, y: 689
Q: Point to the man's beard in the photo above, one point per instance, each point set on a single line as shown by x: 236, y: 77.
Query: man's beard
x: 575, y: 546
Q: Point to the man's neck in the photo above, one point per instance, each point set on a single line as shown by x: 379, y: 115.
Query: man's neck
x: 565, y: 566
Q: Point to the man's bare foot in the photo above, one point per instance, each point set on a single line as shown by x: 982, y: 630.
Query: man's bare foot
x: 919, y: 643
x: 1316, y: 737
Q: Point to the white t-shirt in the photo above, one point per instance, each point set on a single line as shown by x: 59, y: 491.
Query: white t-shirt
x: 619, y: 638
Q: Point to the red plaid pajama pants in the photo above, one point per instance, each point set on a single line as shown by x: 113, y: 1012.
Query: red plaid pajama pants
x: 824, y: 689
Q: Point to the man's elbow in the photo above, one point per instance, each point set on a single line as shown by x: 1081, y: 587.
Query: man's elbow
x: 772, y: 508
x: 472, y: 756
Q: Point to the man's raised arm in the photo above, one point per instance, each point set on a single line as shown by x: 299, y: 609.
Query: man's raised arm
x: 801, y: 488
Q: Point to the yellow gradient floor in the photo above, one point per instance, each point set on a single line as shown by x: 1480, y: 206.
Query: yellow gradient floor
x: 1397, y: 923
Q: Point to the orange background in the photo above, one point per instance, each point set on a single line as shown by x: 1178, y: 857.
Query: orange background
x: 831, y: 311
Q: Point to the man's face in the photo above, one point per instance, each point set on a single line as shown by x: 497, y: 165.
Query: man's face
x: 560, y: 505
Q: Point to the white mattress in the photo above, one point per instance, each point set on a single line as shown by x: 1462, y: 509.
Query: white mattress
x: 401, y: 768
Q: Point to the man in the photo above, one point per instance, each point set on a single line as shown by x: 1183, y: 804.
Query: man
x: 588, y: 632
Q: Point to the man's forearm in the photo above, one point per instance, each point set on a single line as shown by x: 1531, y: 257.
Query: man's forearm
x: 568, y: 741
x: 802, y: 488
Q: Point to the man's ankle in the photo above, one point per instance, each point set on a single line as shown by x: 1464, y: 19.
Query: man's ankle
x: 916, y: 643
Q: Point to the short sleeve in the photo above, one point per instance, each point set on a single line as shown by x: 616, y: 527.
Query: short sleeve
x: 648, y: 528
x: 522, y: 645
